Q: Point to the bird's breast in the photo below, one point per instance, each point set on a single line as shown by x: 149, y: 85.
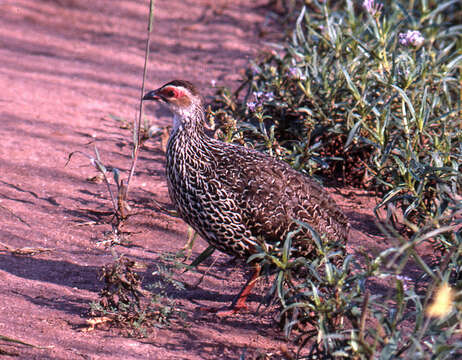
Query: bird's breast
x: 187, y: 172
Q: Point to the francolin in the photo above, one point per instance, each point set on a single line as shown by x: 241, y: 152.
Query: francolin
x: 235, y: 197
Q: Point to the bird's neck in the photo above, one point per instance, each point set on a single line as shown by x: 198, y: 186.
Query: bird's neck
x: 188, y: 147
x: 189, y: 123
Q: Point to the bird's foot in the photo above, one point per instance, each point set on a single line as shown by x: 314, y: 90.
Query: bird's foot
x: 225, y: 311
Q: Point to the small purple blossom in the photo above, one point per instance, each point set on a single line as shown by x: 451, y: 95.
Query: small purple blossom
x: 403, y: 278
x: 255, y: 70
x: 269, y: 96
x: 251, y: 105
x: 258, y: 95
x: 406, y: 281
x: 293, y: 72
x: 261, y: 96
x: 411, y: 37
x: 372, y: 7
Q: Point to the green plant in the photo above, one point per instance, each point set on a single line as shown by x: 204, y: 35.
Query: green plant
x: 125, y: 304
x: 355, y: 97
x: 333, y: 312
x: 141, y: 132
x: 366, y: 94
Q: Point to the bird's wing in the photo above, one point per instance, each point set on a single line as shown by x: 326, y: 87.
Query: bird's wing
x: 272, y: 195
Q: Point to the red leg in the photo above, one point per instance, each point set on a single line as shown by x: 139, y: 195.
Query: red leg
x: 239, y: 303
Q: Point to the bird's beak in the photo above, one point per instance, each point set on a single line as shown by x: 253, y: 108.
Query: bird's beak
x: 153, y: 95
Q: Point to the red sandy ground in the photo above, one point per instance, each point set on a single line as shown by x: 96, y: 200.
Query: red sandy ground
x: 65, y: 66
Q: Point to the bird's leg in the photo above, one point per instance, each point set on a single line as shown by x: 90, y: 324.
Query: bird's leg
x: 192, y: 234
x: 241, y: 298
x: 239, y: 302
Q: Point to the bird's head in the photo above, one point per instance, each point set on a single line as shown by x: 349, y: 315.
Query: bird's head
x: 181, y: 97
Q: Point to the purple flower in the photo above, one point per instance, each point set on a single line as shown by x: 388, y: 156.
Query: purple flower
x: 251, y: 105
x: 255, y: 70
x: 258, y: 95
x: 372, y: 7
x: 269, y: 96
x: 403, y: 278
x: 406, y: 281
x: 411, y: 37
x: 264, y: 96
x: 293, y: 72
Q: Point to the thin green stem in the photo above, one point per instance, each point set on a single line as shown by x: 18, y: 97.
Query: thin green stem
x: 137, y: 124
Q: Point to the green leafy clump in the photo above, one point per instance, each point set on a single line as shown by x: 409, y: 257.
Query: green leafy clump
x: 336, y: 312
x: 366, y: 94
x: 357, y: 97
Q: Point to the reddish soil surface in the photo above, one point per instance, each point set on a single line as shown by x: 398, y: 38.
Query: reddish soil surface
x: 66, y: 66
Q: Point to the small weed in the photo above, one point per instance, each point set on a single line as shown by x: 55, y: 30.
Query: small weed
x: 123, y: 302
x: 126, y: 305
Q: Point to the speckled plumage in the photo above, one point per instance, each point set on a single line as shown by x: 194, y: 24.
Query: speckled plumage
x: 236, y: 197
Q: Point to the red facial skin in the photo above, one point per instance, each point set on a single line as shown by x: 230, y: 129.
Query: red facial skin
x: 170, y: 92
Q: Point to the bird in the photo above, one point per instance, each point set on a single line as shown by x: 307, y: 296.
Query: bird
x: 237, y: 198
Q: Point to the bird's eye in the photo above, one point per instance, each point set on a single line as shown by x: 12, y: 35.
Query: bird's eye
x: 169, y: 93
